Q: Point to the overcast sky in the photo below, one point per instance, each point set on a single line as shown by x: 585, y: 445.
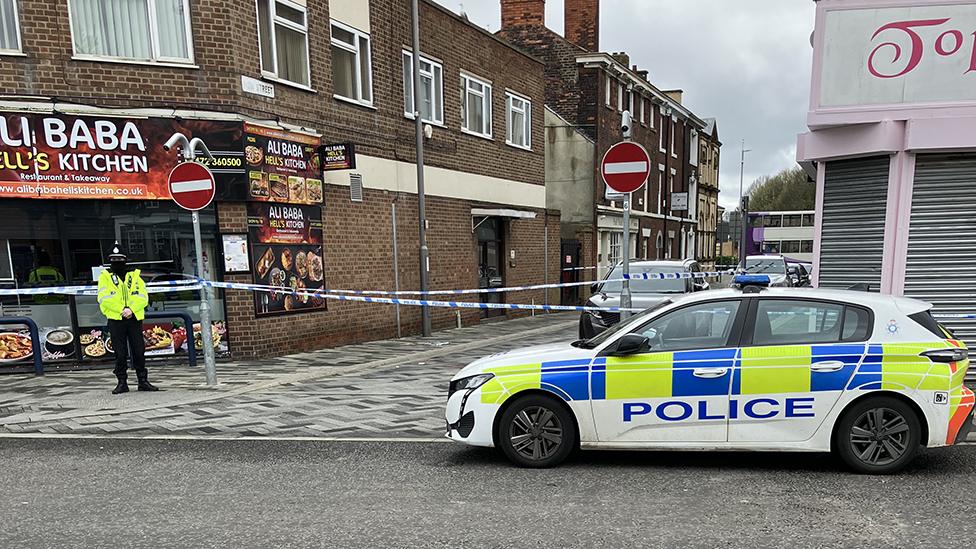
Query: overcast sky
x: 743, y: 62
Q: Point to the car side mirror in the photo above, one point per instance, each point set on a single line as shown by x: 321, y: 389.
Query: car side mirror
x: 631, y: 344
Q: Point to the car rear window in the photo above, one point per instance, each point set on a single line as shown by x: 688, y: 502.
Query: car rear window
x: 925, y: 320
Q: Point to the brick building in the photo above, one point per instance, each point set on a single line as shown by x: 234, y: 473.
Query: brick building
x: 278, y: 90
x: 588, y: 90
x: 709, y: 149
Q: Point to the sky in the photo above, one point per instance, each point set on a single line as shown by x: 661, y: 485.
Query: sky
x: 744, y: 62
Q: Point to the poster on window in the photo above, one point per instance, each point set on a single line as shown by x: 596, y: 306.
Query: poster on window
x: 282, y: 166
x: 286, y: 248
x: 60, y: 156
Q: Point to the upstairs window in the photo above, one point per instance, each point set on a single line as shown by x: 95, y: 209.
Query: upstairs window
x: 9, y: 27
x: 431, y: 89
x: 475, y: 106
x: 136, y: 30
x: 283, y: 38
x: 519, y: 121
x: 352, y: 72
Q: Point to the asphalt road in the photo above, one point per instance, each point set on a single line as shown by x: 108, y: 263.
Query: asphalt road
x: 138, y: 493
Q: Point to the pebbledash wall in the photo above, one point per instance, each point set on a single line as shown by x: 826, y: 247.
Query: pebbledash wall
x: 891, y: 141
x: 468, y: 176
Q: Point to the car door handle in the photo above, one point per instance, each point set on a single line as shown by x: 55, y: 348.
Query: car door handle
x: 710, y: 373
x: 827, y: 366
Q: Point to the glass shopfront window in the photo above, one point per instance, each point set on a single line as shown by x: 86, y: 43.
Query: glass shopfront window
x: 59, y: 242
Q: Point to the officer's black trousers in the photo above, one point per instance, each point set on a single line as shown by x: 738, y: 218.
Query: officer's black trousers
x: 126, y: 338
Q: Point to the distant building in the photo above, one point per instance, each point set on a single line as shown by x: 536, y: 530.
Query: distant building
x: 709, y: 148
x: 786, y: 233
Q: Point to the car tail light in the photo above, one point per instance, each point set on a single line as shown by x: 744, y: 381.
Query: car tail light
x: 947, y: 355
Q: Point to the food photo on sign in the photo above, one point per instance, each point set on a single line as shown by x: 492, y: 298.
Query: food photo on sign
x: 286, y: 246
x: 282, y: 166
x: 84, y: 157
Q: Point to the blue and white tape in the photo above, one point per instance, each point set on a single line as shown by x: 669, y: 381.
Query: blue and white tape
x: 419, y: 302
x: 677, y: 276
x: 153, y: 288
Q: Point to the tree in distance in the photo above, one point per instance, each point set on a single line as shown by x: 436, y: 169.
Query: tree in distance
x: 790, y: 189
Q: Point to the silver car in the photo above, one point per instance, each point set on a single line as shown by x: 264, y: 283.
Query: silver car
x: 645, y: 294
x: 772, y: 265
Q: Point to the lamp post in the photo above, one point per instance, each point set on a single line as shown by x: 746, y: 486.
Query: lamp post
x: 421, y: 202
x: 743, y: 207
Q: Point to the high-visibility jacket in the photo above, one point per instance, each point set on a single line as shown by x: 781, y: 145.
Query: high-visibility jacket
x: 116, y: 293
x: 46, y: 276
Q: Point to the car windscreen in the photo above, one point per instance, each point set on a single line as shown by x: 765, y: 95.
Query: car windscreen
x: 765, y: 266
x: 629, y: 323
x: 647, y: 286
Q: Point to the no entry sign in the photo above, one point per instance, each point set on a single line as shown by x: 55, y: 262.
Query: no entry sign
x: 625, y: 167
x: 192, y: 186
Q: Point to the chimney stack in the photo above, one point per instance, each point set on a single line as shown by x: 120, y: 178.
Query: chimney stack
x: 675, y: 95
x: 583, y: 23
x: 523, y: 13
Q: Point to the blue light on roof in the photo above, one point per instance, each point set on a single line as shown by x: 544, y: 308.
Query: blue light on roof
x: 752, y: 280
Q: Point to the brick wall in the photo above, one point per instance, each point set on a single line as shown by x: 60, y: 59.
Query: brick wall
x: 358, y: 249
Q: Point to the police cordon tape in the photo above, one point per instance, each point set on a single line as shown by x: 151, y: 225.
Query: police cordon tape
x: 418, y: 302
x: 152, y: 287
x: 363, y: 296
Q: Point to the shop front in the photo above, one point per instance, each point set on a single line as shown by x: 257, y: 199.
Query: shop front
x: 891, y: 142
x: 72, y: 185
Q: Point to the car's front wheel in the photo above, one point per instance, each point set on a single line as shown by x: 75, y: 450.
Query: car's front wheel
x: 536, y: 431
x: 879, y: 435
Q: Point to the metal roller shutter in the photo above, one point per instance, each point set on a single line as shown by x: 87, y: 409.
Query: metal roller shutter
x: 852, y: 236
x: 941, y: 263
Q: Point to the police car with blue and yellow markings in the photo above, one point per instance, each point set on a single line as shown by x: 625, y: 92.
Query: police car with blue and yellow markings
x: 869, y: 377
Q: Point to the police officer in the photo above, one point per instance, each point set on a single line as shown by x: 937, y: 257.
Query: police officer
x: 45, y: 274
x: 122, y: 298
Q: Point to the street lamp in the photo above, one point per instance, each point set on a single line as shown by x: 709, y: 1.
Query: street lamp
x: 742, y: 207
x: 421, y: 202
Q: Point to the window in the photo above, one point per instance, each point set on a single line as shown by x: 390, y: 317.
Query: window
x: 283, y: 40
x: 138, y: 30
x: 653, y: 114
x: 475, y: 106
x: 608, y: 90
x: 808, y: 220
x: 352, y: 73
x: 643, y: 114
x: 792, y: 220
x: 660, y: 135
x: 633, y: 97
x: 790, y: 247
x: 431, y: 89
x: 773, y: 221
x: 519, y: 121
x: 9, y: 27
x: 806, y: 246
x: 674, y: 130
x: 786, y: 322
x: 616, y: 246
x: 700, y: 326
x: 620, y: 96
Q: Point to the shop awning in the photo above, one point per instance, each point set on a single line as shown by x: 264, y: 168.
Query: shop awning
x: 502, y: 212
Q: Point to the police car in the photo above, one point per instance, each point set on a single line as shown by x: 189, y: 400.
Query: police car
x: 869, y: 377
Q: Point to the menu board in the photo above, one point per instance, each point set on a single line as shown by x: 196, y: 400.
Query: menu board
x: 282, y: 166
x: 286, y: 248
x: 86, y: 157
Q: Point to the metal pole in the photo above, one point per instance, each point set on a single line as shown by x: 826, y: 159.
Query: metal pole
x: 625, y: 287
x: 742, y: 209
x: 396, y: 269
x: 424, y: 251
x: 206, y: 330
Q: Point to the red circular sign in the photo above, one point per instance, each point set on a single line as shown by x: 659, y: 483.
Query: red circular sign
x: 192, y: 186
x: 625, y: 167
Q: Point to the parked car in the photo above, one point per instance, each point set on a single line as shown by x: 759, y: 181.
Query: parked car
x: 645, y: 293
x: 772, y: 265
x: 799, y: 274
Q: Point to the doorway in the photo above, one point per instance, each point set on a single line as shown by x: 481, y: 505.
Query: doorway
x: 491, y: 263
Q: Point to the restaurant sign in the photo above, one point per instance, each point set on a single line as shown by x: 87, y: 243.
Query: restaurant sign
x: 338, y: 156
x: 286, y: 247
x: 282, y: 166
x: 83, y: 157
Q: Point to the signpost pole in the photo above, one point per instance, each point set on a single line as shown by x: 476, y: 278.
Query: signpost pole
x: 206, y: 333
x: 421, y: 206
x: 625, y: 287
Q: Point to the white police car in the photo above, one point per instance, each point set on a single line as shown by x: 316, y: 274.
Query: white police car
x: 869, y: 377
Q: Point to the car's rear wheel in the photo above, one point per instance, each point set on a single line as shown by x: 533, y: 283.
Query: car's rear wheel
x: 879, y: 435
x: 536, y: 431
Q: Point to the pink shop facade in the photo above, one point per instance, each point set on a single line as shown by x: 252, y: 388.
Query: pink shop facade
x: 892, y: 144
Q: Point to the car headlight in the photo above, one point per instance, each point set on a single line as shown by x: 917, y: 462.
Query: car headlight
x: 468, y: 383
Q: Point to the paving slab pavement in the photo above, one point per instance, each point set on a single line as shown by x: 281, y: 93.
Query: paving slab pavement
x: 27, y: 399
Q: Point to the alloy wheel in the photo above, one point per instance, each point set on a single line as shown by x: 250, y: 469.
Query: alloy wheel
x: 536, y: 433
x: 880, y: 436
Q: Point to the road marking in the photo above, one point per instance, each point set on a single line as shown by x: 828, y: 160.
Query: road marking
x: 72, y: 436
